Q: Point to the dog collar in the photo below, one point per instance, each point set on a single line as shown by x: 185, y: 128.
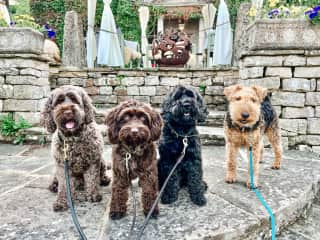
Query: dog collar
x: 138, y: 150
x: 232, y: 124
x: 188, y: 135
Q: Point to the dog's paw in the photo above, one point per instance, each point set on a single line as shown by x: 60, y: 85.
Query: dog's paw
x: 276, y: 166
x: 199, y: 200
x: 230, y: 179
x: 53, y: 187
x: 105, y: 180
x: 165, y: 199
x: 95, y: 197
x: 255, y: 185
x: 154, y: 214
x: 116, y: 215
x: 60, y: 206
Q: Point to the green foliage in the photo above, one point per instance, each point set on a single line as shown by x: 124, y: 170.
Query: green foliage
x: 22, y: 7
x: 26, y: 21
x: 233, y: 6
x: 9, y: 127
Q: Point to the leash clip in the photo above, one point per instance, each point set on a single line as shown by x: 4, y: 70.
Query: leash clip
x: 185, y: 144
x: 127, y: 158
x: 65, y: 149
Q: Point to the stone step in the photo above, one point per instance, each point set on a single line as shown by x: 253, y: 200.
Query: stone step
x: 214, y: 119
x: 208, y: 135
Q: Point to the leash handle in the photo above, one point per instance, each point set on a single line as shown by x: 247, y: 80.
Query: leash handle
x: 260, y: 197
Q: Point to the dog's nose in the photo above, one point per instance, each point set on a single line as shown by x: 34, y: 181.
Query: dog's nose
x: 135, y: 130
x: 68, y: 113
x: 245, y: 115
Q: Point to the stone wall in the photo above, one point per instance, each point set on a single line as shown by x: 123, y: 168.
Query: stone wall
x: 108, y: 87
x: 294, y: 78
x: 24, y: 74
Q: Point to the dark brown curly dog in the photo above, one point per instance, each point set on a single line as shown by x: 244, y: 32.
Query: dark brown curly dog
x: 133, y: 128
x: 69, y: 115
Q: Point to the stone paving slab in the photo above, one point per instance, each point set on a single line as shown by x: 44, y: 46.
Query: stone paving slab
x: 232, y: 212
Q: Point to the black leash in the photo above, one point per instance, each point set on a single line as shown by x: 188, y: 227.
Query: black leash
x: 147, y: 219
x: 73, y: 212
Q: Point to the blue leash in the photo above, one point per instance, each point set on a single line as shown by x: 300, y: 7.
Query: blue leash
x: 261, y: 199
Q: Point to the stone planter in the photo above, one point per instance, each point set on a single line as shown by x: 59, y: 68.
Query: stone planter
x: 282, y: 34
x: 21, y: 40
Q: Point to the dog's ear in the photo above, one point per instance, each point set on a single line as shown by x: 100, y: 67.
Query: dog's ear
x: 155, y: 125
x: 202, y: 108
x: 47, y: 115
x: 88, y: 107
x: 111, y: 122
x: 229, y: 91
x: 166, y: 105
x: 261, y: 92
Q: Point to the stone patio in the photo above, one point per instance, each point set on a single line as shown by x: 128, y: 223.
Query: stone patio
x: 232, y: 211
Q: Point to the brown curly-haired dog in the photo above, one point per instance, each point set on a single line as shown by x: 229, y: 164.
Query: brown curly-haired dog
x: 69, y: 115
x: 250, y: 115
x: 133, y: 128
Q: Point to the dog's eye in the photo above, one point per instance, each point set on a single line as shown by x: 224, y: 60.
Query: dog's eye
x: 238, y: 98
x: 254, y: 100
x: 189, y: 94
x: 59, y: 100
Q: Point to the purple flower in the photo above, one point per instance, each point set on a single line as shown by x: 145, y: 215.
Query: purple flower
x: 308, y: 12
x: 316, y: 9
x: 313, y: 15
x: 274, y: 12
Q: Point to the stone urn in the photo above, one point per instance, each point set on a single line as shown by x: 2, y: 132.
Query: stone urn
x: 276, y: 34
x: 20, y: 40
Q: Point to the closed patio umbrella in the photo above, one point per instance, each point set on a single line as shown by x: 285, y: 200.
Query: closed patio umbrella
x: 91, y: 39
x: 144, y: 18
x: 4, y: 13
x: 109, y: 52
x: 223, y: 39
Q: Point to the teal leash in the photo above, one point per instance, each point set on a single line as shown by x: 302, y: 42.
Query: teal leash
x: 261, y: 199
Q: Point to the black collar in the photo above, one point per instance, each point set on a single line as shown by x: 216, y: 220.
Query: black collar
x: 232, y: 124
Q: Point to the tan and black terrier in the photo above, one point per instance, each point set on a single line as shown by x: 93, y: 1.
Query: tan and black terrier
x: 250, y: 115
x: 133, y: 128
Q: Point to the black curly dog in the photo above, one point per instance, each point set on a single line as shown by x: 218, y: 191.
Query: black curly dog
x: 181, y: 110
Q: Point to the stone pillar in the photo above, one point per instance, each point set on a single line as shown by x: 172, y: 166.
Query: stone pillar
x: 73, y: 41
x: 24, y: 74
x: 288, y: 64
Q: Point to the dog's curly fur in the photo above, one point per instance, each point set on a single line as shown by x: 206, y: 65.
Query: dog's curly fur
x: 69, y: 115
x: 250, y: 116
x: 181, y: 110
x: 133, y: 128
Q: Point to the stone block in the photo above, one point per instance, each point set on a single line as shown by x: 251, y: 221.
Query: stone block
x: 24, y: 63
x: 120, y: 91
x: 316, y: 149
x: 1, y: 80
x: 28, y: 92
x: 292, y: 112
x: 145, y: 99
x: 113, y: 81
x: 148, y: 91
x: 169, y: 81
x: 162, y: 90
x: 318, y: 85
x: 282, y: 72
x: 63, y: 81
x: 106, y: 90
x: 288, y: 99
x: 100, y: 81
x: 208, y: 99
x: 294, y: 60
x: 72, y: 73
x: 185, y: 81
x: 102, y: 99
x: 22, y: 80
x: 31, y: 72
x: 219, y: 100
x: 133, y: 81
x: 318, y: 111
x: 297, y: 84
x: 313, y: 126
x: 214, y: 90
x: 15, y: 105
x: 313, y: 61
x: 251, y: 72
x: 121, y: 99
x: 133, y: 90
x: 293, y: 127
x: 6, y: 91
x: 313, y: 140
x: 93, y: 90
x: 263, y: 61
x: 9, y: 71
x: 77, y: 81
x: 33, y: 118
x: 158, y: 100
x: 313, y: 98
x: 89, y: 83
x: 278, y: 110
x: 203, y: 81
x: 307, y: 72
x: 1, y: 105
x: 41, y: 104
x: 152, y: 80
x: 271, y: 83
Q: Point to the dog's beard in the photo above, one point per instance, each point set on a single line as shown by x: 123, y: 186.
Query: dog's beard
x: 69, y: 126
x: 184, y: 115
